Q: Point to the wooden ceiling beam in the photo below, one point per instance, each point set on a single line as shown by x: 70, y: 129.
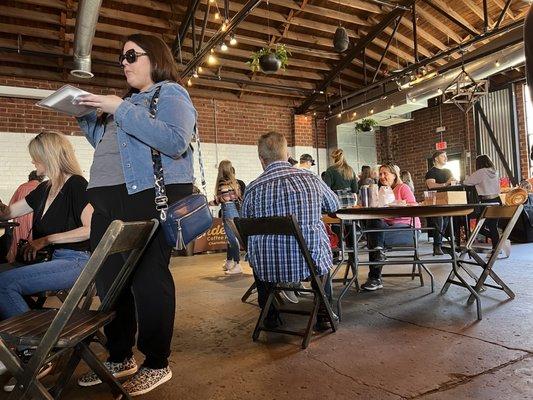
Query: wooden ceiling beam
x: 478, y: 11
x: 437, y: 24
x: 508, y: 12
x: 446, y: 11
x: 358, y: 5
x: 321, y: 11
x: 14, y: 12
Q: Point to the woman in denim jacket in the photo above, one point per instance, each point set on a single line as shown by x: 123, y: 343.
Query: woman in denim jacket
x: 122, y: 187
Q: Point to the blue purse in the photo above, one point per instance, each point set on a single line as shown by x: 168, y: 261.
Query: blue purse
x: 188, y: 218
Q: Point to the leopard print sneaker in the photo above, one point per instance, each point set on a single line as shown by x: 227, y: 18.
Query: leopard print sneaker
x: 119, y: 370
x: 146, y: 379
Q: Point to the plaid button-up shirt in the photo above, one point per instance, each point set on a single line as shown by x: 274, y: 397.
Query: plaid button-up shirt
x: 283, y: 190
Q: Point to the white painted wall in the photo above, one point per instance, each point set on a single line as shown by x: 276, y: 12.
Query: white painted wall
x: 15, y: 162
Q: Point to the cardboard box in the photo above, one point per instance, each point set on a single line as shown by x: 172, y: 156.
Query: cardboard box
x: 452, y: 197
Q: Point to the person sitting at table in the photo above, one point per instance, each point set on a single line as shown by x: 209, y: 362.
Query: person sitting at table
x: 23, y: 231
x: 377, y: 241
x: 306, y: 162
x: 365, y: 176
x: 407, y: 179
x: 61, y: 223
x: 438, y: 177
x: 341, y: 178
x: 486, y: 179
x: 282, y: 190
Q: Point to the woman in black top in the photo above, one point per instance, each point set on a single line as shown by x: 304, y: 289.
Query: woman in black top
x: 341, y: 178
x: 61, y: 224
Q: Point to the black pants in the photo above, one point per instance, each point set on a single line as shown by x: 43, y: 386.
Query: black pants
x: 441, y: 225
x: 490, y: 227
x: 149, y: 301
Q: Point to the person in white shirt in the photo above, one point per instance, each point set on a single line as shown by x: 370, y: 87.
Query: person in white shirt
x: 486, y: 179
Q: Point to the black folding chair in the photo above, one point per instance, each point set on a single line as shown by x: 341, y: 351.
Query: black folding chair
x: 469, y: 256
x: 287, y: 226
x: 70, y: 329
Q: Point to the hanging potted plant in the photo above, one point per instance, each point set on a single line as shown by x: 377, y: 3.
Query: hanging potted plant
x: 366, y: 125
x: 269, y: 60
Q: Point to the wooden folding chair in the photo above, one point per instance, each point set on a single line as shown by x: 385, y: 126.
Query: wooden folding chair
x: 287, y: 226
x: 470, y: 257
x: 53, y: 333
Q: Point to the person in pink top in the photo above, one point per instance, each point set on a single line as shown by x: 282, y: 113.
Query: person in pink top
x: 377, y: 241
x: 23, y: 231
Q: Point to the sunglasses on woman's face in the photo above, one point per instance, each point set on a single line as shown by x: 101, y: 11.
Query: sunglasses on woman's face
x: 130, y: 56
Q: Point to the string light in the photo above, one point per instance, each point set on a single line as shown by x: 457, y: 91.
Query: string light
x: 189, y: 82
x: 392, y: 106
x: 224, y: 27
x: 217, y: 15
x: 439, y: 91
x: 195, y: 73
x: 339, y: 115
x: 211, y: 1
x: 372, y: 111
x: 497, y: 63
x: 211, y: 60
x: 354, y: 114
x: 233, y: 40
x: 200, y: 70
x: 223, y: 47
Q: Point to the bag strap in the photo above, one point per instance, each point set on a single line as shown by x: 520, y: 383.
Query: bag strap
x: 161, y: 199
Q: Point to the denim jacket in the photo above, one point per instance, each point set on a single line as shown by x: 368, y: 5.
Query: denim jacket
x: 170, y: 132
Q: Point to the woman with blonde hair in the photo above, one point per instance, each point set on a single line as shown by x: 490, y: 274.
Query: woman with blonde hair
x: 61, y: 225
x: 229, y: 191
x: 341, y: 178
x: 388, y: 176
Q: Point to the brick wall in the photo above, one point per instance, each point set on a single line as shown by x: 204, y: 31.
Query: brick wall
x: 236, y: 122
x: 409, y: 145
x: 238, y: 126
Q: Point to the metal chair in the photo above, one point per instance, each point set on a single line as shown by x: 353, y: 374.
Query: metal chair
x: 287, y: 226
x: 470, y: 257
x: 70, y: 329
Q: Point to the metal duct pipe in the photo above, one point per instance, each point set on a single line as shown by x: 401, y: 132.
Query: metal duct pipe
x: 86, y: 20
x: 478, y: 69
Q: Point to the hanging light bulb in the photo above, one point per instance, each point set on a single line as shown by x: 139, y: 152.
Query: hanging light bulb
x: 439, y: 91
x: 339, y: 115
x: 354, y: 114
x: 189, y: 82
x: 497, y: 63
x: 195, y: 73
x: 200, y: 70
x: 211, y: 60
x: 223, y: 47
x: 224, y: 27
x: 392, y: 107
x: 371, y: 111
x: 211, y: 1
x: 233, y: 40
x: 212, y: 50
x: 217, y: 15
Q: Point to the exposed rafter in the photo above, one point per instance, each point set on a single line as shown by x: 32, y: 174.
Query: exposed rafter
x: 354, y: 52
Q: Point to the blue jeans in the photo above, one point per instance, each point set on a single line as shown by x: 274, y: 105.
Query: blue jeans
x: 57, y: 274
x: 229, y: 211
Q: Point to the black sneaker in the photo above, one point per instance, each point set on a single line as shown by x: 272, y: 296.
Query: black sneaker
x: 372, y: 284
x: 437, y: 250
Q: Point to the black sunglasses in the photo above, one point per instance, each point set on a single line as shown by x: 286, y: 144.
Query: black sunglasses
x: 130, y: 56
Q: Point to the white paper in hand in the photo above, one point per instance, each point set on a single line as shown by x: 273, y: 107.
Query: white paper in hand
x: 65, y: 101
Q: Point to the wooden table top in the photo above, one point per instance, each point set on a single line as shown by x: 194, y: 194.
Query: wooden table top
x: 441, y: 210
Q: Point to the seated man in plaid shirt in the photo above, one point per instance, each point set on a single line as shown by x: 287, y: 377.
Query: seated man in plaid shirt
x: 283, y: 190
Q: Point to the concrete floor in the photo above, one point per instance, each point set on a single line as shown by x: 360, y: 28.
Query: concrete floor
x: 398, y: 343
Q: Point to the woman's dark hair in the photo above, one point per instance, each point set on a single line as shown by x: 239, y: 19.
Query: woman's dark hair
x: 365, y: 172
x: 484, y: 161
x: 163, y: 65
